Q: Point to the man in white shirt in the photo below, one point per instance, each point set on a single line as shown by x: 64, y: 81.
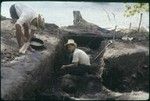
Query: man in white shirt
x: 24, y: 17
x: 80, y: 64
x: 79, y: 56
x: 75, y: 73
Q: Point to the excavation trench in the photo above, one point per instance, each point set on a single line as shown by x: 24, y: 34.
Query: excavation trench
x: 127, y: 73
x: 114, y: 79
x: 35, y: 76
x: 53, y: 92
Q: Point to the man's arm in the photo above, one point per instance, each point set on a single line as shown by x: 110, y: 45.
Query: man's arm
x: 26, y: 32
x: 32, y: 32
x: 19, y: 34
x: 70, y: 65
x: 74, y: 63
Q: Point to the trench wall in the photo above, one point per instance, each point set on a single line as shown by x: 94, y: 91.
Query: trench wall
x: 29, y: 74
x: 126, y: 67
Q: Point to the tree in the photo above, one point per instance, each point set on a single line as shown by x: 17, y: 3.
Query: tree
x: 138, y: 8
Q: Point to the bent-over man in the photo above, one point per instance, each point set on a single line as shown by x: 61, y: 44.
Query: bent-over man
x: 25, y: 18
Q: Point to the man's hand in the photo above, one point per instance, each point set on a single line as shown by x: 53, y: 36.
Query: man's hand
x: 69, y: 65
x: 63, y: 67
x: 24, y: 39
x: 24, y: 48
x: 19, y: 34
x: 26, y: 31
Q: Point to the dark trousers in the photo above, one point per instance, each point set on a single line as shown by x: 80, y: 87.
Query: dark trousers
x: 13, y: 12
x: 75, y: 78
x: 80, y: 70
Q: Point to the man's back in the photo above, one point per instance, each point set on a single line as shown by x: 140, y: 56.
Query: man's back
x: 20, y: 8
x: 25, y: 13
x: 81, y: 57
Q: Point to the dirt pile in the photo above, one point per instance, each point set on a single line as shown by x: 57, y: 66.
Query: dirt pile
x: 126, y: 67
x: 51, y: 28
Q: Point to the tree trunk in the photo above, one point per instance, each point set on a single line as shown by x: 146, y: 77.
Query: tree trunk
x: 78, y: 20
x: 140, y: 22
x: 130, y: 26
x: 85, y: 26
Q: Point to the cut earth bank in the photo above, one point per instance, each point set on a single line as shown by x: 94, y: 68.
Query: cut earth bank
x: 126, y: 64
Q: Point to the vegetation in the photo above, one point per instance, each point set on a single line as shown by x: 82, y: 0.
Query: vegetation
x: 138, y: 8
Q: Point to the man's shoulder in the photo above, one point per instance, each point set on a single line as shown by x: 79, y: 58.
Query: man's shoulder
x: 19, y: 5
x: 77, y: 50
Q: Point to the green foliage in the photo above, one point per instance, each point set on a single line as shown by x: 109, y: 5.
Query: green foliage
x: 133, y: 9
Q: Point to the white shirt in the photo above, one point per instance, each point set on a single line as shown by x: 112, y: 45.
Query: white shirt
x: 26, y: 14
x: 81, y: 57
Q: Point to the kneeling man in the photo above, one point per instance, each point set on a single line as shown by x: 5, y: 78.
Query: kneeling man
x: 80, y: 59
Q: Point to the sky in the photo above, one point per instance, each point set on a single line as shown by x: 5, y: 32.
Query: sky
x: 61, y: 13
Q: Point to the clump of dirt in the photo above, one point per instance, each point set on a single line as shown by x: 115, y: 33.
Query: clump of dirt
x: 8, y: 55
